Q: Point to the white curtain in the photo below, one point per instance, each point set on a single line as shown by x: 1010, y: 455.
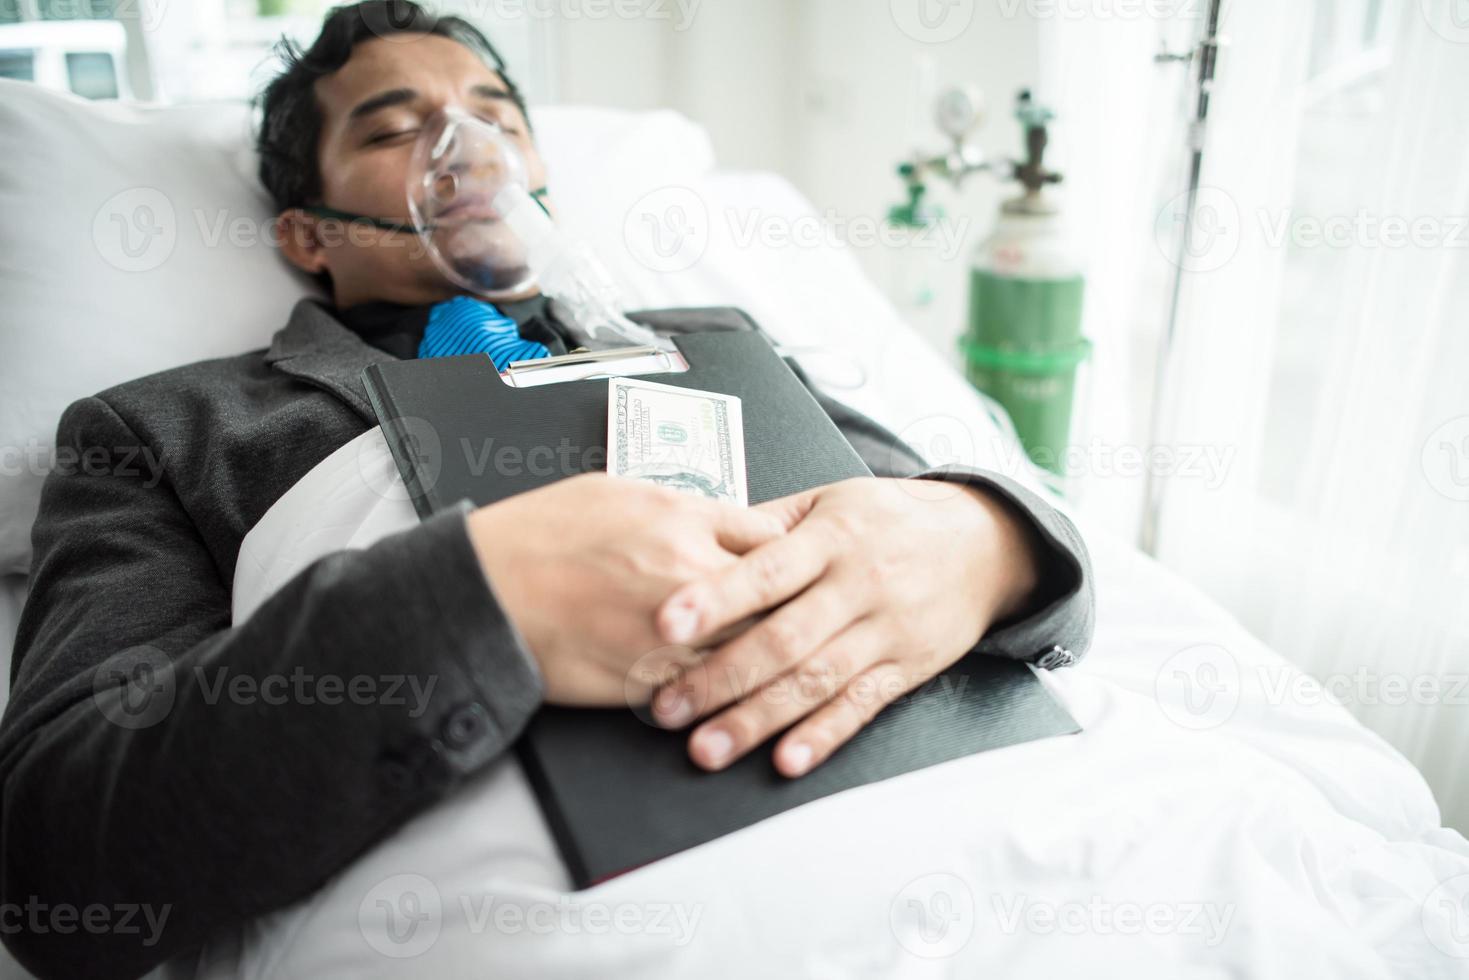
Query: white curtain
x: 1119, y: 139
x: 1324, y: 348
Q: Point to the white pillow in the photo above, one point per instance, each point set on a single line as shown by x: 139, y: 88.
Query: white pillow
x: 112, y: 269
x: 137, y: 239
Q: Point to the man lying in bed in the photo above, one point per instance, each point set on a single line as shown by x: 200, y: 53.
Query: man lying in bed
x: 130, y: 782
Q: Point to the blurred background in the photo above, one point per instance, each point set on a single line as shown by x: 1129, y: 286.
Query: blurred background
x: 1228, y: 318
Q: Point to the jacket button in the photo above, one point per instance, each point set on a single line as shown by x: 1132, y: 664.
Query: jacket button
x: 1056, y: 656
x: 397, y: 775
x: 465, y: 726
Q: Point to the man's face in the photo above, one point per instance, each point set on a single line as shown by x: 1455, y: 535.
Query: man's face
x: 372, y: 111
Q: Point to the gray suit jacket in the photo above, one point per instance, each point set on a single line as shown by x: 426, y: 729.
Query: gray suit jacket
x: 132, y: 773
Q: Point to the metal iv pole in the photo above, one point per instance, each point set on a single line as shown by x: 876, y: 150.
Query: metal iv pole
x: 1207, y: 57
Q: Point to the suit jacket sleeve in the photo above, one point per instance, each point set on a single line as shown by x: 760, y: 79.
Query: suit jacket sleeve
x: 1056, y: 629
x: 156, y: 756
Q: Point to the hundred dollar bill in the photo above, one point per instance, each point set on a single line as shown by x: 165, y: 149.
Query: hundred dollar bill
x: 679, y: 437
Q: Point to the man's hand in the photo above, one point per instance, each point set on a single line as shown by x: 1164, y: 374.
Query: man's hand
x: 581, y: 566
x: 881, y: 584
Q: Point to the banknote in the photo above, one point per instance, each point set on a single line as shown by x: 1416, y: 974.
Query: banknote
x: 683, y: 438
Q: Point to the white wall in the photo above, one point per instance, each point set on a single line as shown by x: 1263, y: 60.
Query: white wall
x: 857, y: 113
x: 823, y: 92
x: 854, y: 104
x: 612, y: 62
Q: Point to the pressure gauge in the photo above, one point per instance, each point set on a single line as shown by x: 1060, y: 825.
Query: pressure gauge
x: 959, y: 111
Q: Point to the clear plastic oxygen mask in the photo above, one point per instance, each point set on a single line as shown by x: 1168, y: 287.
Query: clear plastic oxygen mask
x: 471, y: 203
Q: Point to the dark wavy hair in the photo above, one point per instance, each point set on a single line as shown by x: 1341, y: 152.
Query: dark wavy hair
x: 289, y: 125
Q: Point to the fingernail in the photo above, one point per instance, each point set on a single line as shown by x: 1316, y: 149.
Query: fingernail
x: 681, y: 621
x: 798, y: 758
x: 674, y: 709
x: 715, y: 746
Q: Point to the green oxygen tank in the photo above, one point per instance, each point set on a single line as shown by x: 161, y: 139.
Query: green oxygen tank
x: 1022, y: 344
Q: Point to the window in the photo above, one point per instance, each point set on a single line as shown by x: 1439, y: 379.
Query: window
x: 74, y: 9
x: 71, y: 45
x: 92, y: 74
x: 1341, y: 110
x: 19, y: 65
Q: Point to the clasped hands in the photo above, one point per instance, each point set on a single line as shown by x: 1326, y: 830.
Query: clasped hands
x: 811, y: 612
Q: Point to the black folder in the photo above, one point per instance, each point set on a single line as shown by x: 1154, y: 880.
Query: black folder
x: 616, y: 791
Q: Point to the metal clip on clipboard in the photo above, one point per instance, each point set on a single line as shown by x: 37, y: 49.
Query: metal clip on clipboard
x: 629, y: 362
x: 620, y: 362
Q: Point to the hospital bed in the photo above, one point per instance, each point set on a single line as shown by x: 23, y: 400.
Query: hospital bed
x: 1202, y: 824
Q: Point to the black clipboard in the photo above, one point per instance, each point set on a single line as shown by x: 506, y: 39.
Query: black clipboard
x: 459, y: 432
x: 617, y: 792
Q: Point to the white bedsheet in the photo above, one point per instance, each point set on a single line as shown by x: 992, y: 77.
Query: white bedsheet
x: 1177, y: 836
x: 1251, y: 835
x: 1284, y: 841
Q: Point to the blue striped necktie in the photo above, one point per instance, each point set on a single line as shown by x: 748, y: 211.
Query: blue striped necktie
x: 465, y: 325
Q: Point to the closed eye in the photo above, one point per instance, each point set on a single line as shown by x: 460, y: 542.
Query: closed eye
x: 387, y: 137
x: 506, y: 125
